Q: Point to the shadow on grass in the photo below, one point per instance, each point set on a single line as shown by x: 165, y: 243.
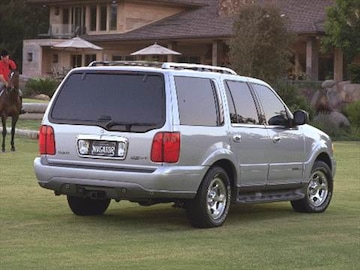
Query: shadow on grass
x: 167, y: 218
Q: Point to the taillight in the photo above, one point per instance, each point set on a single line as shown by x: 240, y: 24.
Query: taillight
x: 46, y: 140
x: 166, y: 147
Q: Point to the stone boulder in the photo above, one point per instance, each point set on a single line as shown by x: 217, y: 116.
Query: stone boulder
x: 334, y: 96
x: 333, y: 119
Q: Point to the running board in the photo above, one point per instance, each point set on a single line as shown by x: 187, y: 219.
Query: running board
x: 269, y: 196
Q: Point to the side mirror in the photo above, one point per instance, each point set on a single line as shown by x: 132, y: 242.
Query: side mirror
x: 301, y: 117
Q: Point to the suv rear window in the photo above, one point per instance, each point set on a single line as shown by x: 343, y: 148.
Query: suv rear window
x: 115, y: 101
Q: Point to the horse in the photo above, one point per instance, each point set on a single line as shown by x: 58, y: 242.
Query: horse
x: 10, y: 106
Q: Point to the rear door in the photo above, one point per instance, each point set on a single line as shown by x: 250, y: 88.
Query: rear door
x: 200, y: 119
x: 108, y: 118
x: 249, y: 138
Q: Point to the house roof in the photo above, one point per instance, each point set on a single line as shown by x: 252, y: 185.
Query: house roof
x: 202, y: 19
x: 205, y: 21
x: 201, y: 22
x: 169, y: 2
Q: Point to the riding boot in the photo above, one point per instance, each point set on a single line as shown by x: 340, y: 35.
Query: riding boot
x: 22, y: 111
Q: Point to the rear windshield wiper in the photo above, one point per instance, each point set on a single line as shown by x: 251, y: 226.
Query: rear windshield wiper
x: 127, y: 124
x: 109, y: 123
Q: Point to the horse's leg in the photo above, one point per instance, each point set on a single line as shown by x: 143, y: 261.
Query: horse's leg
x: 3, y: 120
x: 14, y: 120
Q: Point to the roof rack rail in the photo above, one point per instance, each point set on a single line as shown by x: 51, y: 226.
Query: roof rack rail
x: 165, y: 65
x: 198, y: 67
x: 126, y: 63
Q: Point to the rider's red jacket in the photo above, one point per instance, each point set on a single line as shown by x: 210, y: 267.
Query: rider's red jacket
x: 6, y: 67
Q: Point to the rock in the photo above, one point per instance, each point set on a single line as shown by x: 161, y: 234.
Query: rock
x: 42, y: 97
x: 334, y: 118
x: 328, y: 84
x: 351, y: 92
x: 35, y: 107
x: 335, y: 96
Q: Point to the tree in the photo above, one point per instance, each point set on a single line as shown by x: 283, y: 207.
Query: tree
x: 342, y: 28
x: 17, y: 22
x: 260, y: 45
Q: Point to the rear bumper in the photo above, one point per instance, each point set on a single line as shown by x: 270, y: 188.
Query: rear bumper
x: 165, y: 182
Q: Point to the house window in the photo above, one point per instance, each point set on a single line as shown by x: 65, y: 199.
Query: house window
x: 103, y: 18
x: 92, y: 18
x: 57, y: 11
x: 117, y: 58
x: 129, y: 58
x: 76, y: 60
x: 78, y: 19
x: 55, y: 58
x: 113, y: 16
x: 65, y: 16
x: 89, y: 58
x: 123, y: 58
x: 189, y: 59
x: 29, y: 57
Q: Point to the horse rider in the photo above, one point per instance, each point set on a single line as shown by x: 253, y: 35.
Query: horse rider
x: 6, y: 66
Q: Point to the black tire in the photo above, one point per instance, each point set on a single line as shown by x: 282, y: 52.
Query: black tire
x: 211, y: 204
x: 87, y: 206
x: 318, y: 192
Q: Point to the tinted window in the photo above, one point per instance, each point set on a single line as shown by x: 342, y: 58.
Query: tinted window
x: 273, y: 108
x: 198, y: 102
x: 136, y: 99
x: 241, y: 103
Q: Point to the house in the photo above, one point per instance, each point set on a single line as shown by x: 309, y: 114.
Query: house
x: 198, y: 29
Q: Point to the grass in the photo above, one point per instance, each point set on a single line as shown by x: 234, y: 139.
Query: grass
x: 32, y: 100
x: 38, y: 231
x: 30, y: 124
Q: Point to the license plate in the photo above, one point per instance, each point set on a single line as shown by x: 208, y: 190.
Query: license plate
x: 89, y: 147
x: 104, y: 148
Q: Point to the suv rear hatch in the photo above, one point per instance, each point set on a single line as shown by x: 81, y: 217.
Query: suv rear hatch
x: 106, y: 117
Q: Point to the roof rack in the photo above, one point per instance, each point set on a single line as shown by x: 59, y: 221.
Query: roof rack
x: 126, y: 63
x: 166, y: 65
x: 198, y: 67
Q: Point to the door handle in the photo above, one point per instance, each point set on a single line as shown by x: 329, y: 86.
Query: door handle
x: 276, y: 139
x: 237, y: 138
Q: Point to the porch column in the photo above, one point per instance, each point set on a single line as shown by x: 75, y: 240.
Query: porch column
x: 312, y: 59
x: 87, y: 18
x: 215, y: 53
x: 108, y: 18
x: 297, y: 66
x: 338, y: 64
x: 169, y: 56
x: 97, y: 17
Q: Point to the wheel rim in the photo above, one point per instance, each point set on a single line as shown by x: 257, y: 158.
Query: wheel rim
x: 318, y: 188
x: 216, y: 198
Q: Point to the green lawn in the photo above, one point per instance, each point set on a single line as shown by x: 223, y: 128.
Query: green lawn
x: 32, y: 100
x: 30, y: 124
x: 38, y: 231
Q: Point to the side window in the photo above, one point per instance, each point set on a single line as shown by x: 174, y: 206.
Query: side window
x: 274, y: 109
x: 241, y: 103
x: 198, y: 102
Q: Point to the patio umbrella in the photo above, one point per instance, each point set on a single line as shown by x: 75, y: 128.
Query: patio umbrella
x: 155, y: 49
x: 77, y: 43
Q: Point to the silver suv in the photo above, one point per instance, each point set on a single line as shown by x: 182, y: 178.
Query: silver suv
x: 199, y: 136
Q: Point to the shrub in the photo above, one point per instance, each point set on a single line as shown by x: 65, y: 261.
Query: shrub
x: 337, y: 133
x: 46, y: 86
x: 354, y: 70
x: 293, y: 98
x: 352, y: 111
x: 324, y: 123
